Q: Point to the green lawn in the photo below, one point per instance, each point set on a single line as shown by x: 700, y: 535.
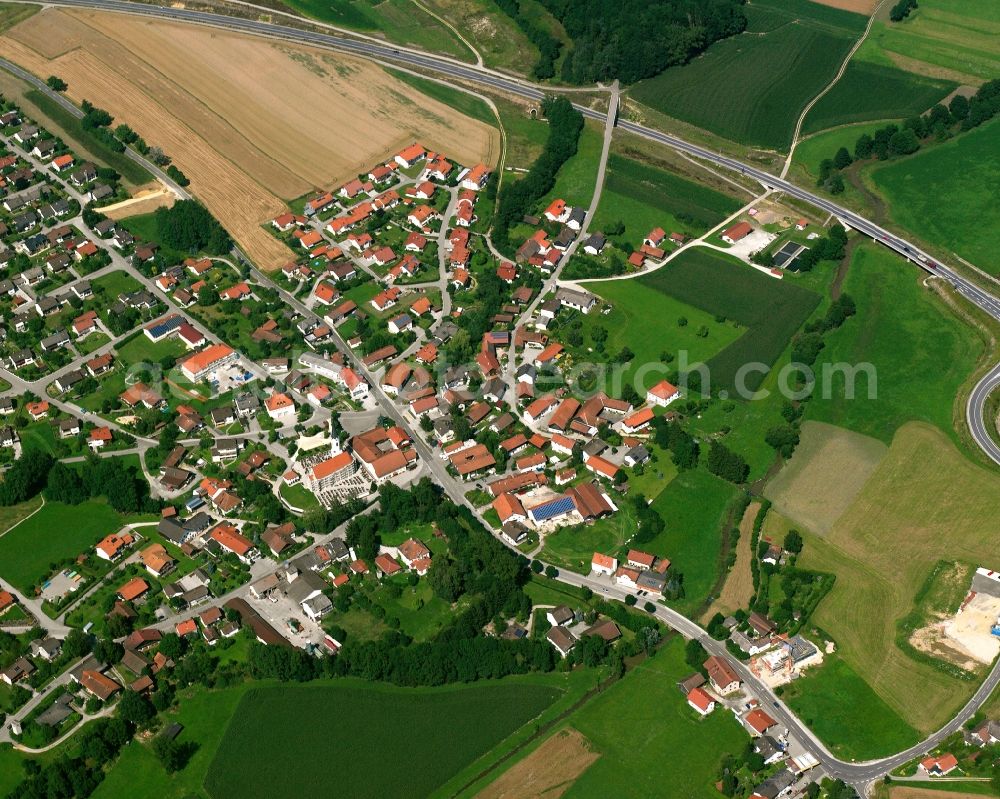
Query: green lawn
x: 791, y: 50
x: 921, y: 353
x: 370, y: 727
x: 847, y: 715
x: 647, y: 323
x: 693, y: 507
x: 299, y: 497
x: 139, y: 348
x: 577, y: 177
x: 57, y: 531
x: 115, y: 283
x: 650, y: 741
x: 772, y: 310
x: 947, y: 193
x: 145, y: 228
x: 421, y: 613
x: 573, y: 547
x: 873, y: 91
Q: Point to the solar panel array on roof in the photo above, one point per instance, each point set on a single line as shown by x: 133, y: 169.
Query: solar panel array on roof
x: 165, y: 326
x: 551, y: 509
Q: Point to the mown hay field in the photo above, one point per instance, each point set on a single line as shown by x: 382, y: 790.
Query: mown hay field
x: 385, y: 741
x: 737, y: 591
x: 830, y: 467
x: 253, y: 124
x: 772, y: 310
x: 925, y: 501
x: 920, y: 353
x: 948, y: 194
x: 758, y: 82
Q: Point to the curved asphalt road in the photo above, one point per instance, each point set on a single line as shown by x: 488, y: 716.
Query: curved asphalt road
x: 858, y: 774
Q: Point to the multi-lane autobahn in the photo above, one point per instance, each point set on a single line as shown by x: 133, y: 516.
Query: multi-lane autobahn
x: 859, y: 774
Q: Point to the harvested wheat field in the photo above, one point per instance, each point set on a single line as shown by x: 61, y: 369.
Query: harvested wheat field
x: 548, y: 772
x: 252, y: 123
x: 737, y: 591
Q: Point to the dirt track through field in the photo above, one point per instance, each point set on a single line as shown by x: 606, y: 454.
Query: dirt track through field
x: 253, y: 124
x: 548, y: 772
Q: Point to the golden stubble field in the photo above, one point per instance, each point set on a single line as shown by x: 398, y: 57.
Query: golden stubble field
x: 252, y: 123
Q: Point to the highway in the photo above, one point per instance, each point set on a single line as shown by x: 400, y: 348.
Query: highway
x: 858, y: 774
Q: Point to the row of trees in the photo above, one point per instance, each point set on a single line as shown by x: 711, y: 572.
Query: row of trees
x: 516, y: 199
x: 889, y: 141
x: 635, y: 39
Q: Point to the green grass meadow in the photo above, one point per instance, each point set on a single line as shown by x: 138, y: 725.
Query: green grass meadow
x: 772, y: 310
x: 693, y: 507
x: 921, y: 353
x: 647, y: 323
x: 948, y: 192
x: 644, y: 197
x: 57, y: 531
x: 651, y: 742
x: 847, y: 715
x: 759, y: 81
x: 577, y: 177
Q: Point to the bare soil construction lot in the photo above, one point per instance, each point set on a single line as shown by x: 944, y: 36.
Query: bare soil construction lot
x: 252, y: 123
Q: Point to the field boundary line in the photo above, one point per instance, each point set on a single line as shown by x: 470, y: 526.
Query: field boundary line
x: 827, y: 88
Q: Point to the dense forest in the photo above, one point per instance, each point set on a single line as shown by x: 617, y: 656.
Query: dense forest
x: 627, y: 39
